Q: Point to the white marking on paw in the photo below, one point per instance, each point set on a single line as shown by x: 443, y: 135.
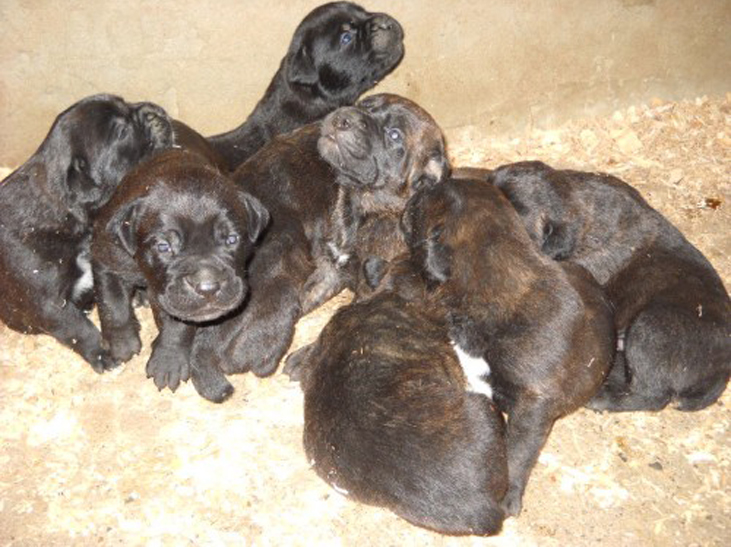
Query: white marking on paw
x: 477, y: 370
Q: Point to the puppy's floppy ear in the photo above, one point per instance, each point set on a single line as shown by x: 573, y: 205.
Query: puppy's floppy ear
x: 78, y: 179
x: 257, y: 216
x: 438, y: 257
x: 430, y: 172
x: 301, y: 68
x: 123, y: 225
x: 559, y: 240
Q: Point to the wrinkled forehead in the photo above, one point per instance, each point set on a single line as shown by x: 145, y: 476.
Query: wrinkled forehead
x: 403, y: 113
x: 97, y: 118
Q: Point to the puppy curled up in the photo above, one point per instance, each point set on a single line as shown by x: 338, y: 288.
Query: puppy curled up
x: 544, y: 328
x: 673, y: 314
x: 46, y: 207
x: 391, y: 417
x: 181, y: 230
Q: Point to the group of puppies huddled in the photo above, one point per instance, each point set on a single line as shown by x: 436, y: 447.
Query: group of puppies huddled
x: 523, y: 291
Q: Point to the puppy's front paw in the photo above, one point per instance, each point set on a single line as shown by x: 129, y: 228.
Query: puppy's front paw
x: 168, y: 368
x: 124, y: 343
x: 294, y: 364
x: 512, y: 503
x: 101, y: 360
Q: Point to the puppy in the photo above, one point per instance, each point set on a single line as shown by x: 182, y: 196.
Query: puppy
x: 45, y: 211
x: 338, y: 52
x: 392, y: 418
x: 181, y: 230
x: 367, y: 145
x: 301, y: 190
x: 673, y: 314
x: 543, y: 327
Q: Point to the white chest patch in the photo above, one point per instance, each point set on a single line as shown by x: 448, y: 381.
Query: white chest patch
x: 476, y: 370
x: 86, y: 281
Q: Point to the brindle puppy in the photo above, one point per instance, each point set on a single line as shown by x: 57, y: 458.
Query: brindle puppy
x: 45, y: 211
x: 300, y: 189
x: 338, y: 52
x: 673, y: 314
x: 383, y: 150
x: 392, y: 418
x: 543, y: 327
x: 181, y: 230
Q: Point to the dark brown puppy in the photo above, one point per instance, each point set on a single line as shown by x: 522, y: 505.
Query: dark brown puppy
x: 338, y: 52
x: 391, y: 418
x: 384, y: 150
x: 45, y: 211
x: 673, y: 314
x: 300, y: 189
x: 544, y: 328
x: 181, y: 230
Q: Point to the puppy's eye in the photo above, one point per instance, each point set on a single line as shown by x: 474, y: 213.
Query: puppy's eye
x: 121, y: 131
x: 346, y: 37
x: 395, y: 134
x: 232, y: 239
x: 163, y: 247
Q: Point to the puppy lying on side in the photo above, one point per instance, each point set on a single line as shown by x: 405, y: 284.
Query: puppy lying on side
x: 184, y: 232
x: 338, y: 52
x: 45, y: 210
x: 673, y: 314
x: 300, y: 190
x: 543, y: 327
x: 391, y: 418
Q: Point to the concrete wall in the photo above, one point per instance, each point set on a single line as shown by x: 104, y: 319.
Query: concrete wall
x: 501, y: 64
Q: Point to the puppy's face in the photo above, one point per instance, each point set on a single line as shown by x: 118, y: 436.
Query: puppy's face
x: 191, y: 236
x: 384, y: 144
x: 99, y: 139
x: 340, y: 51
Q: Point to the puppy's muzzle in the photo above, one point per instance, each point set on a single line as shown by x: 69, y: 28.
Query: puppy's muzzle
x: 156, y: 123
x: 385, y: 32
x: 203, y: 291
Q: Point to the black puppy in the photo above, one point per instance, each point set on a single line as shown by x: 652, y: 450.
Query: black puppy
x: 392, y: 419
x: 184, y: 232
x: 673, y: 314
x: 300, y: 190
x: 543, y: 327
x: 338, y: 52
x: 45, y: 211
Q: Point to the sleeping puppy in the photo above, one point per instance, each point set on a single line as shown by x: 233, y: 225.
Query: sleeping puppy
x: 673, y: 314
x: 45, y: 211
x: 181, y: 230
x: 383, y: 150
x: 338, y: 52
x: 301, y: 190
x: 543, y: 327
x: 394, y: 418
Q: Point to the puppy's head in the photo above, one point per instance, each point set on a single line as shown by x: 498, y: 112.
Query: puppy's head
x: 191, y: 232
x: 537, y: 194
x: 339, y: 51
x: 384, y: 144
x: 467, y: 239
x: 95, y: 142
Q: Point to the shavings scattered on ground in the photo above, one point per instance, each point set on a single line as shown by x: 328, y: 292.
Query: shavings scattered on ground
x: 107, y: 460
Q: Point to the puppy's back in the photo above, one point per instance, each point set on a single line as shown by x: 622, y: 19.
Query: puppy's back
x: 388, y: 420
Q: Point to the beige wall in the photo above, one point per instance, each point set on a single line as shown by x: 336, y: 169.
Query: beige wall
x: 501, y: 64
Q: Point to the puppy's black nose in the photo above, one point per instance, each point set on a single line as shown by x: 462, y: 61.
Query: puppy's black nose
x: 348, y: 118
x: 382, y: 22
x: 204, y: 283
